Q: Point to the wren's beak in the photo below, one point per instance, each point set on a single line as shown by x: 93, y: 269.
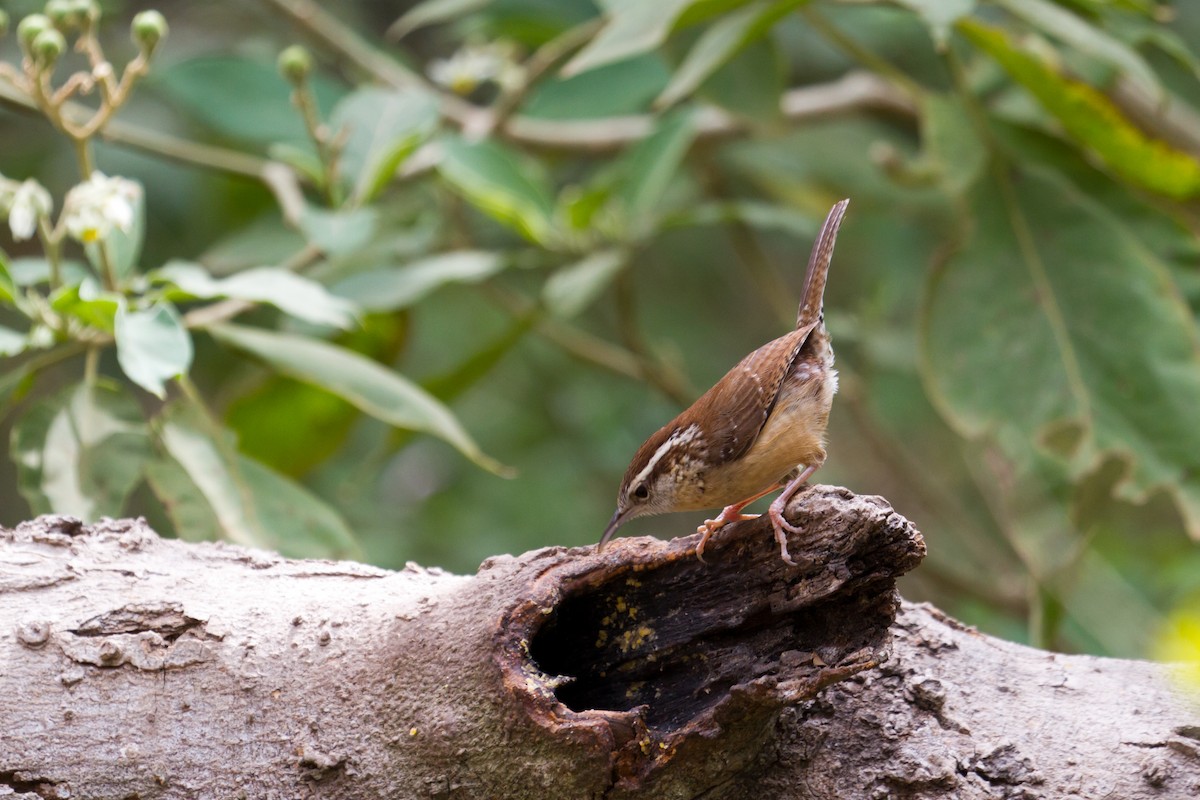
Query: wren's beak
x: 618, y: 519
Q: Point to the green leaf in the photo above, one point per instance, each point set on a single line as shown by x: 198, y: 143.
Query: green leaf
x: 721, y: 42
x: 764, y: 216
x: 432, y: 12
x: 266, y: 240
x: 626, y: 87
x: 501, y: 183
x: 576, y: 286
x: 384, y: 127
x: 1054, y: 324
x: 16, y: 378
x: 396, y: 288
x: 32, y: 271
x: 1091, y: 118
x: 81, y: 452
x: 952, y: 145
x: 940, y: 15
x: 212, y: 492
x: 1089, y: 40
x: 633, y: 27
x: 259, y: 112
x: 339, y: 232
x: 1138, y: 31
x: 153, y: 346
x: 8, y: 289
x: 750, y: 84
x: 292, y: 294
x: 88, y: 303
x: 266, y: 417
x: 649, y: 167
x: 302, y: 157
x: 11, y: 342
x: 376, y: 390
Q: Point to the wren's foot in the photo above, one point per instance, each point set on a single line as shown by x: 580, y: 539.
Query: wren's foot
x: 780, y: 525
x: 728, y: 514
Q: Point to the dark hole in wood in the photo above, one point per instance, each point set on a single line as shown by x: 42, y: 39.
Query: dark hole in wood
x: 676, y: 638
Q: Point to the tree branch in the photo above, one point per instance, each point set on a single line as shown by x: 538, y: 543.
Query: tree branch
x: 135, y: 664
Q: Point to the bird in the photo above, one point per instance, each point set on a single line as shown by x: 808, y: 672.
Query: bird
x: 759, y: 428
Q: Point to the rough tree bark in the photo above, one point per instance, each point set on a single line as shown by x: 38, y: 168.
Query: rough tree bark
x: 137, y: 667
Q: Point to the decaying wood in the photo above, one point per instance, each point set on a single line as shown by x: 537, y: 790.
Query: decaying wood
x: 137, y: 667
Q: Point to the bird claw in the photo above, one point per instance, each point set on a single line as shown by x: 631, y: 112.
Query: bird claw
x: 706, y: 531
x: 781, y: 525
x: 711, y: 526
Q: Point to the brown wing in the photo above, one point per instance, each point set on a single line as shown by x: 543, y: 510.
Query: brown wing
x: 747, y: 394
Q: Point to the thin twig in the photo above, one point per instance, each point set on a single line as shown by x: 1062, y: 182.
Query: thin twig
x: 151, y: 141
x: 576, y: 342
x: 538, y: 65
x: 653, y: 370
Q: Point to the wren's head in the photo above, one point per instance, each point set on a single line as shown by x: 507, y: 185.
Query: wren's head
x: 668, y: 464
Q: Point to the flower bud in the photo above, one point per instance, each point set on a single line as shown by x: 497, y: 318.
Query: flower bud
x: 88, y: 10
x: 148, y: 29
x: 62, y: 14
x: 48, y: 46
x: 29, y: 28
x: 295, y: 64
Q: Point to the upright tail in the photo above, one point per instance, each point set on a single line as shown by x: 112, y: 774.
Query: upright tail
x: 818, y: 268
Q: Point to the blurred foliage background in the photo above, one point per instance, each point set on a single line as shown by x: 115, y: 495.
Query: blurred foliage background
x: 434, y: 277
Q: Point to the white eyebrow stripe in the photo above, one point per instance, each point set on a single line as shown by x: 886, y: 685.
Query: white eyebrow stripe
x: 677, y: 438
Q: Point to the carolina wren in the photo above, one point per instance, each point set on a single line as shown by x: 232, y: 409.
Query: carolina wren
x: 762, y: 426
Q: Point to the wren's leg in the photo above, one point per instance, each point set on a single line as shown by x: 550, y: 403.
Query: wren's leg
x: 776, y: 512
x: 729, y: 514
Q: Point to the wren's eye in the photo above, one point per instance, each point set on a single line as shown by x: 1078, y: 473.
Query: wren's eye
x: 640, y: 492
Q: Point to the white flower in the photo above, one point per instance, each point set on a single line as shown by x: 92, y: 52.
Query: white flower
x: 30, y: 202
x: 474, y: 64
x: 100, y: 204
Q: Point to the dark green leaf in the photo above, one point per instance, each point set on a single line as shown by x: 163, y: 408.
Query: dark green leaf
x: 721, y: 42
x: 764, y: 216
x: 940, y: 15
x: 384, y: 127
x: 376, y: 390
x: 301, y: 157
x: 432, y: 12
x: 626, y: 87
x: 750, y: 85
x: 259, y: 112
x: 501, y: 183
x: 153, y: 346
x: 952, y: 145
x: 649, y: 167
x: 401, y: 287
x: 634, y: 27
x: 1055, y: 319
x: 212, y: 492
x: 576, y: 286
x: 81, y: 451
x: 339, y: 232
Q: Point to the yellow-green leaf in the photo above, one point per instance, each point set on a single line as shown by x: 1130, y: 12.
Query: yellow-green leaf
x: 1092, y: 119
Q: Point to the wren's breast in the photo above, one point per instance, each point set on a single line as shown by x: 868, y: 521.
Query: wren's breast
x: 794, y: 434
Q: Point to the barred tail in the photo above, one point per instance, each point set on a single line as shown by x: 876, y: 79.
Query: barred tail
x: 818, y: 267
